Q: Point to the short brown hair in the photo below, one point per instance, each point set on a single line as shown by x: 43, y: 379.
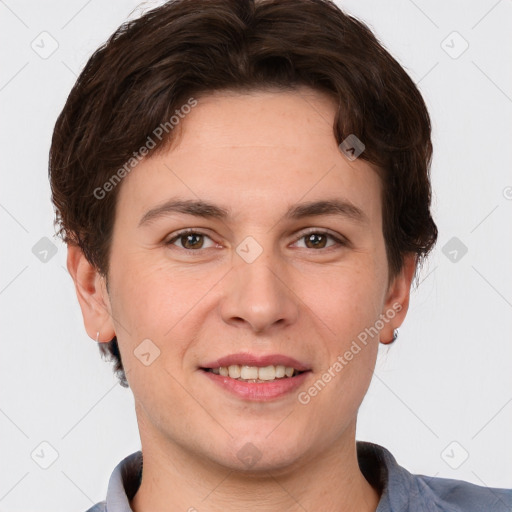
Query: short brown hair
x: 150, y: 66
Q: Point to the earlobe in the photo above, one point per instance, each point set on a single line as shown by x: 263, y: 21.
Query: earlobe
x: 92, y: 295
x: 397, y: 300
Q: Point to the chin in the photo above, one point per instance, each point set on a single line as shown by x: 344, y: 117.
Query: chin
x: 262, y: 452
x: 261, y: 463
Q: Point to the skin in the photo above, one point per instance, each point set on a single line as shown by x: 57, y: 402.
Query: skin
x: 256, y: 154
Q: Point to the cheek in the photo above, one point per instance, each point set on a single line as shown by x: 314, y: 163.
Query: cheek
x: 346, y: 299
x: 345, y: 312
x: 351, y: 347
x: 156, y: 303
x: 145, y: 298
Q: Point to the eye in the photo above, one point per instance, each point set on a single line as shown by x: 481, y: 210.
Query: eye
x: 193, y: 240
x: 190, y: 239
x: 317, y: 239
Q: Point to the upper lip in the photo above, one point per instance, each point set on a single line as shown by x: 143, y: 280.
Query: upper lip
x: 247, y: 359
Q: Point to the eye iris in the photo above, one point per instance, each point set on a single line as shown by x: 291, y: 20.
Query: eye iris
x: 191, y: 236
x: 312, y: 236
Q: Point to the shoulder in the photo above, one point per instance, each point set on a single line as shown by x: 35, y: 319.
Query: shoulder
x: 407, y: 492
x: 99, y: 507
x: 460, y: 496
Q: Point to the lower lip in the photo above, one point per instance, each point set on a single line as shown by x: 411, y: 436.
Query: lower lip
x: 259, y: 391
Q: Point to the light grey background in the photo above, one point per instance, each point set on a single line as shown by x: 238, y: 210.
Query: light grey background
x: 442, y: 392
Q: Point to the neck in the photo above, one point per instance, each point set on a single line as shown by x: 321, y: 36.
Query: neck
x: 176, y: 479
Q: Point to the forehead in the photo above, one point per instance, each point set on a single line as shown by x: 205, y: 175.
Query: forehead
x: 264, y: 117
x: 254, y: 151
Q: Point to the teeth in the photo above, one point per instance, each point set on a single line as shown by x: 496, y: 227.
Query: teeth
x: 267, y: 373
x: 280, y: 371
x: 234, y: 371
x: 249, y: 372
x: 255, y: 373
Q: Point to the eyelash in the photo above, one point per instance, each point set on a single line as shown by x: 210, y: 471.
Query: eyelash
x: 339, y: 240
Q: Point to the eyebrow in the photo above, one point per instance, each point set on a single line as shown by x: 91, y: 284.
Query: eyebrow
x: 198, y: 208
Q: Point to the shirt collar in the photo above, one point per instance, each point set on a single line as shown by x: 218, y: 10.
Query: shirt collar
x: 124, y: 483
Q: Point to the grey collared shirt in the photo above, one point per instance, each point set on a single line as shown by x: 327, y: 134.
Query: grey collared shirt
x: 400, y: 490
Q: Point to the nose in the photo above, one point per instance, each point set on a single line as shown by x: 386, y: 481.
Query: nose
x: 259, y: 294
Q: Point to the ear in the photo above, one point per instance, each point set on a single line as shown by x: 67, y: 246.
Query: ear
x: 92, y: 294
x: 397, y: 299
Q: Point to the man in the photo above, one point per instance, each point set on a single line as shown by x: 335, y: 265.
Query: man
x: 244, y: 189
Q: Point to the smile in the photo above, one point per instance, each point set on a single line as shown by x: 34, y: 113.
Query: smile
x: 270, y: 387
x: 255, y: 374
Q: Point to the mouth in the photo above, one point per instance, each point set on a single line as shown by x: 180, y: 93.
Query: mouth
x: 256, y: 374
x: 257, y: 377
x: 257, y: 384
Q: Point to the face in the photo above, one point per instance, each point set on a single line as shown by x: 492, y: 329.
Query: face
x: 256, y: 275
